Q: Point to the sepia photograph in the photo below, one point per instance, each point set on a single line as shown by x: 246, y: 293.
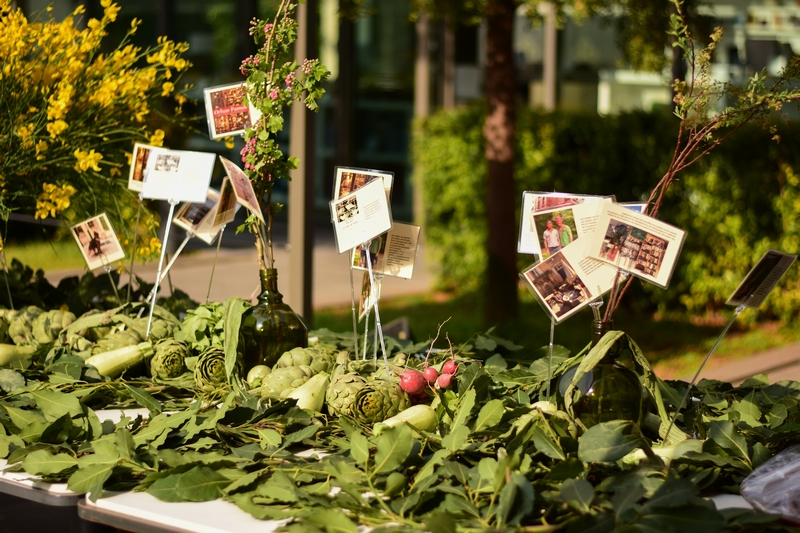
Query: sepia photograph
x: 642, y: 251
x: 226, y: 209
x: 138, y: 173
x: 346, y: 209
x: 97, y: 241
x: 556, y: 283
x: 226, y: 110
x: 242, y: 188
x: 349, y: 180
x: 190, y: 216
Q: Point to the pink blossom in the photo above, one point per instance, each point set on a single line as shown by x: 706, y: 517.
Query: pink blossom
x: 274, y: 94
x: 267, y: 28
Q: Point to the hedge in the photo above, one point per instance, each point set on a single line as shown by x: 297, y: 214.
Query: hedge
x: 737, y: 202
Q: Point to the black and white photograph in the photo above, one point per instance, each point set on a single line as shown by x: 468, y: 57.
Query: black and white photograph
x: 347, y: 209
x: 557, y: 284
x: 97, y: 241
x: 167, y: 163
x: 178, y: 175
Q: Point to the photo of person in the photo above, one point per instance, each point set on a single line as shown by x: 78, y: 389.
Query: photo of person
x: 97, y: 241
x: 556, y: 229
x: 346, y: 209
x: 558, y: 286
x: 138, y: 173
x: 242, y: 188
x: 167, y: 163
x: 377, y: 249
x: 226, y: 110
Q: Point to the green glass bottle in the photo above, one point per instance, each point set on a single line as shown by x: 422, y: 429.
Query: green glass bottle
x: 270, y: 327
x: 609, y: 391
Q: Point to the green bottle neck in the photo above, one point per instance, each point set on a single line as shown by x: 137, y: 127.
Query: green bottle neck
x: 269, y: 286
x: 599, y: 329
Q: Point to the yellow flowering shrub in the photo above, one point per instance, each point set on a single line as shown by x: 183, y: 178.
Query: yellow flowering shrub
x: 72, y: 114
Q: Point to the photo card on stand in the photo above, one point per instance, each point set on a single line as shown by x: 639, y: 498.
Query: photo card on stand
x: 242, y: 188
x: 199, y: 218
x: 639, y: 244
x: 227, y: 110
x: 97, y: 241
x: 178, y: 175
x: 227, y: 206
x: 762, y: 278
x: 350, y: 179
x: 558, y: 227
x: 532, y: 222
x: 138, y: 172
x: 360, y: 216
x: 397, y: 251
x: 367, y: 299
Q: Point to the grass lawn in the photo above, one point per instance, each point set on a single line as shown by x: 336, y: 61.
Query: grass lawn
x: 62, y: 254
x: 674, y: 346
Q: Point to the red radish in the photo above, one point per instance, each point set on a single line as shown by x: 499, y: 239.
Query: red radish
x: 412, y: 381
x: 444, y: 381
x: 430, y: 375
x: 450, y: 367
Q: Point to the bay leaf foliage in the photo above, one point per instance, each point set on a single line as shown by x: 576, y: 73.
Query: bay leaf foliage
x: 504, y: 457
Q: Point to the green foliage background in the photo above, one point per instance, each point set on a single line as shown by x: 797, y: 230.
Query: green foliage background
x: 737, y: 202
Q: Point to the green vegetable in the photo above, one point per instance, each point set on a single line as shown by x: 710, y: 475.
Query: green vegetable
x: 422, y: 417
x: 319, y: 359
x: 12, y: 356
x: 49, y: 324
x: 116, y: 340
x: 114, y: 362
x: 378, y: 400
x: 203, y: 327
x: 282, y: 381
x: 341, y: 393
x: 209, y: 370
x: 311, y: 394
x: 20, y: 328
x: 169, y: 360
x: 257, y: 374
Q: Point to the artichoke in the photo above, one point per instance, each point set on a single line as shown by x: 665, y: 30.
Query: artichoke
x: 319, y: 359
x: 48, y: 325
x: 159, y: 329
x: 20, y: 329
x: 209, y: 370
x: 378, y: 400
x: 283, y: 381
x: 169, y: 360
x: 341, y: 393
x: 117, y: 340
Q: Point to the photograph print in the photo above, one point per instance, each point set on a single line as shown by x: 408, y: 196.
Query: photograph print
x: 346, y: 209
x: 349, y: 180
x: 189, y: 216
x: 138, y: 173
x: 557, y: 285
x: 556, y: 230
x: 226, y: 110
x: 242, y: 188
x: 97, y: 241
x: 226, y: 209
x: 377, y: 252
x: 636, y: 250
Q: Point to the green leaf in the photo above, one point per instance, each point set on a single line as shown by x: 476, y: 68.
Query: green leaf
x: 143, y: 398
x: 485, y: 343
x: 465, y: 405
x: 90, y: 479
x: 44, y: 463
x: 516, y: 500
x: 359, y: 448
x: 456, y: 439
x: 494, y: 364
x: 547, y: 445
x: 165, y: 489
x: 23, y: 417
x: 393, y: 448
x: 749, y: 411
x: 490, y: 415
x: 233, y: 309
x: 725, y: 435
x: 56, y: 404
x: 10, y: 443
x: 673, y: 492
x: 626, y: 499
x: 332, y: 521
x: 579, y: 493
x: 269, y: 437
x: 607, y: 442
x: 683, y: 518
x: 125, y: 444
x: 440, y: 523
x: 201, y: 484
x: 299, y: 436
x: 10, y: 380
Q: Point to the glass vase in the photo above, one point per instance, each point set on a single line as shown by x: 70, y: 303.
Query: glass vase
x: 270, y: 327
x: 609, y: 391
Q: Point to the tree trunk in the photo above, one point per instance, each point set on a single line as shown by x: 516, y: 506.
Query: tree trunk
x: 499, y: 134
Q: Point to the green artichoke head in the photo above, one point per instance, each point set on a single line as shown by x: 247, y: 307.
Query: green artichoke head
x: 320, y: 359
x: 378, y: 400
x: 281, y: 381
x: 117, y: 340
x: 49, y: 324
x: 169, y: 360
x: 341, y: 394
x: 20, y: 329
x: 209, y: 370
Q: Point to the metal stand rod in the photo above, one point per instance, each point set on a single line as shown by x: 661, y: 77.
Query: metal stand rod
x: 378, y: 281
x: 739, y: 309
x: 172, y: 204
x: 366, y: 325
x: 107, y: 268
x: 5, y: 270
x: 353, y: 309
x: 214, y: 267
x: 152, y: 294
x: 377, y: 311
x: 133, y: 248
x: 550, y: 358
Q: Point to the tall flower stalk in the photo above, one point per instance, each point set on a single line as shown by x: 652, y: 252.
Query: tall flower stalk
x: 72, y: 114
x: 274, y: 81
x: 702, y: 128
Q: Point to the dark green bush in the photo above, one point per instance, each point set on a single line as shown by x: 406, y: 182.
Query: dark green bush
x: 737, y: 202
